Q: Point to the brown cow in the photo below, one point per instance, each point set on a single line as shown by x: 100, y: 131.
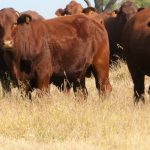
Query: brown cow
x: 8, y: 18
x: 136, y: 42
x: 72, y: 8
x: 59, y: 82
x: 114, y: 26
x: 61, y: 47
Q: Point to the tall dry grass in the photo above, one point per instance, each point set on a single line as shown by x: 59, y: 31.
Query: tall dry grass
x: 58, y: 121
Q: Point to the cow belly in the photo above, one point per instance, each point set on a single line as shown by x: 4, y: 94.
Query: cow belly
x: 59, y: 80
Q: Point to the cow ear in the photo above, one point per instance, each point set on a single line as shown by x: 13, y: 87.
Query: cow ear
x: 27, y: 20
x: 24, y: 18
x: 18, y: 14
x: 60, y: 12
x: 114, y: 13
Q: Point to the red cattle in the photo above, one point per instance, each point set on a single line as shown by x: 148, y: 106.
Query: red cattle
x: 136, y: 42
x: 63, y: 47
x: 72, y: 8
x: 115, y: 25
x: 8, y: 19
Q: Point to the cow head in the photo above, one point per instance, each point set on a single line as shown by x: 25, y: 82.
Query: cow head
x: 8, y: 17
x: 72, y: 8
x: 23, y: 19
x: 127, y: 10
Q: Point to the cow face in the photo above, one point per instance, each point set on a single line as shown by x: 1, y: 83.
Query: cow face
x: 23, y: 19
x: 127, y: 10
x: 8, y: 18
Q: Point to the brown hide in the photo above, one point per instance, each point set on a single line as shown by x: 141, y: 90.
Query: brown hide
x: 61, y: 47
x: 136, y: 42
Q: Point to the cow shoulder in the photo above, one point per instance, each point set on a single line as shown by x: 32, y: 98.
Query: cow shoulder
x: 84, y: 26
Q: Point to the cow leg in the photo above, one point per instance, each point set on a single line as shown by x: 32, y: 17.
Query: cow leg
x: 96, y: 79
x: 66, y: 87
x: 29, y: 89
x: 149, y: 90
x: 5, y: 82
x: 83, y: 87
x: 138, y: 80
x: 43, y: 82
x: 43, y: 79
x: 101, y: 70
x: 80, y: 87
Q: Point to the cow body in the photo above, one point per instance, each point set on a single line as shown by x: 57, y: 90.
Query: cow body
x: 136, y: 40
x: 62, y: 47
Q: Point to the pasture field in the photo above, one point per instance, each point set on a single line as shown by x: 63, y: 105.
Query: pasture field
x: 59, y: 121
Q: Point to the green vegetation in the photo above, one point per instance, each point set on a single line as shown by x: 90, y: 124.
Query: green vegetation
x: 143, y: 3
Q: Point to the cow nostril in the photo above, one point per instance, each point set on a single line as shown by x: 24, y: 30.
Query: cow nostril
x: 7, y: 43
x: 148, y: 24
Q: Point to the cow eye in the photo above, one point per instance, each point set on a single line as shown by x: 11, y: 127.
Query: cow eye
x: 14, y: 25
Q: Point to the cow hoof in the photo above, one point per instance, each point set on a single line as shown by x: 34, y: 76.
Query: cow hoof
x: 137, y: 99
x: 148, y: 90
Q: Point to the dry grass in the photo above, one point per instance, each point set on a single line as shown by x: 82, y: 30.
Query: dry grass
x: 59, y: 122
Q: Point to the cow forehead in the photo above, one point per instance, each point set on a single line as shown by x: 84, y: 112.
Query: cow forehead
x: 9, y: 13
x: 128, y: 6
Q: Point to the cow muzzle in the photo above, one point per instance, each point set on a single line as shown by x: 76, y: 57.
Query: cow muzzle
x: 8, y: 44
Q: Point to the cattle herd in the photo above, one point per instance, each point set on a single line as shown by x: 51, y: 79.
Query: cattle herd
x: 72, y: 46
